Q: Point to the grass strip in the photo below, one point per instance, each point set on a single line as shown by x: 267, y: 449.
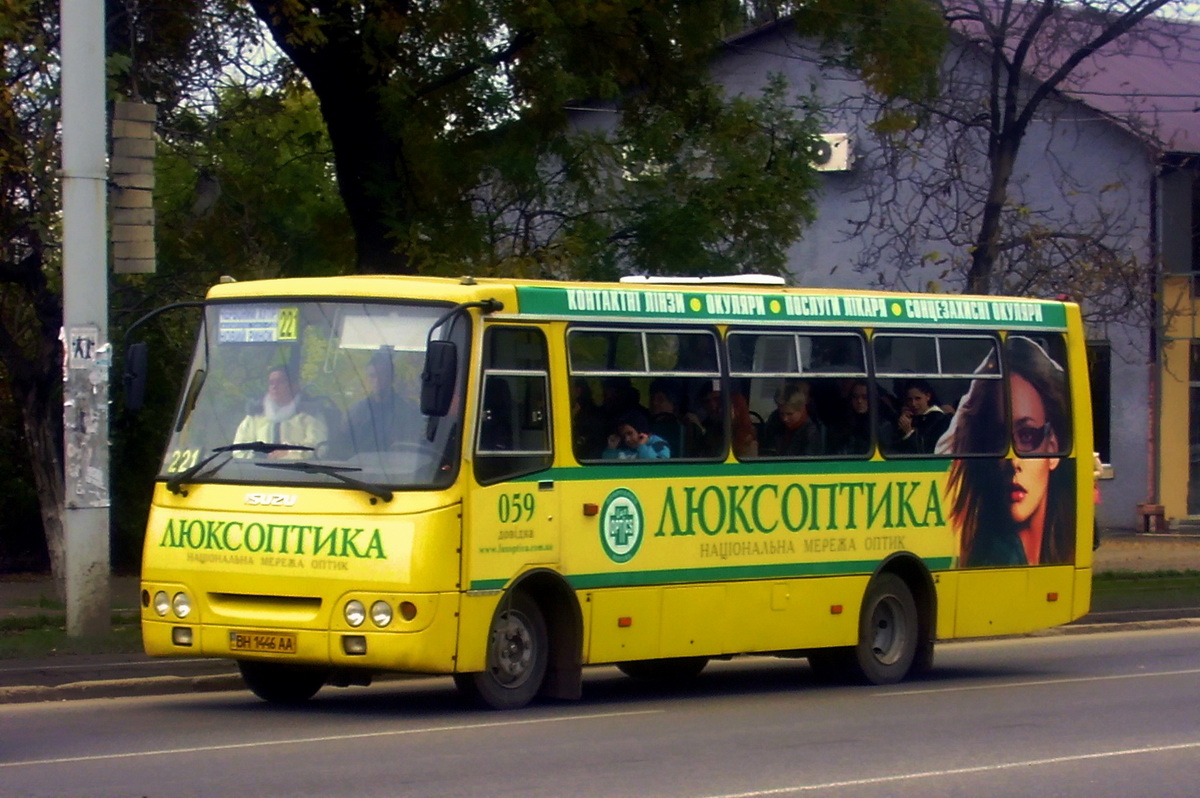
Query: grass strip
x: 1145, y: 591
x: 44, y: 635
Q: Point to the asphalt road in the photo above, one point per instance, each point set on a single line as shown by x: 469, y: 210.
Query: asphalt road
x: 1102, y: 715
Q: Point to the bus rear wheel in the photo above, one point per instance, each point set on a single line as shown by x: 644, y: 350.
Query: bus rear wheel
x: 887, y: 632
x: 282, y: 684
x: 517, y: 654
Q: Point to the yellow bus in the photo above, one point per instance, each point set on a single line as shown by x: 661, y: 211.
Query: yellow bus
x: 505, y: 480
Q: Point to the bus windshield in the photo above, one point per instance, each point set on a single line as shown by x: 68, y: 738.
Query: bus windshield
x: 315, y: 392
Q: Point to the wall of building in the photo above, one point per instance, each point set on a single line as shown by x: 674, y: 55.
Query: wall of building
x: 1179, y: 328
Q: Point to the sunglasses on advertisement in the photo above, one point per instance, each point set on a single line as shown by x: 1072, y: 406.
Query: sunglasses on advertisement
x: 1027, y: 440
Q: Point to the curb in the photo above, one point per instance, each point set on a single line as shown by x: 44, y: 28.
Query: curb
x: 228, y: 682
x: 122, y: 688
x: 1116, y: 626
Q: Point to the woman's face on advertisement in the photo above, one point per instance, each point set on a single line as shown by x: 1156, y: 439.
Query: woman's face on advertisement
x: 1031, y: 475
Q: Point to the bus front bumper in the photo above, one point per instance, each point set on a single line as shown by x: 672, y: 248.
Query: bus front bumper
x: 429, y: 649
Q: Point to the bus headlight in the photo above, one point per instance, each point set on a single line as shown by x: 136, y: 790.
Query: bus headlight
x: 355, y: 613
x: 182, y: 605
x: 161, y: 603
x: 381, y: 613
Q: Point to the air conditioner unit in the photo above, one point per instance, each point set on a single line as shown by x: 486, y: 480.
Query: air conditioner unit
x: 834, y: 153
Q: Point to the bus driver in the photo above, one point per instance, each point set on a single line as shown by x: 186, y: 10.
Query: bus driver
x: 279, y: 419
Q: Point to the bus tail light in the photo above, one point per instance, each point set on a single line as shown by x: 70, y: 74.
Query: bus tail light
x: 408, y: 610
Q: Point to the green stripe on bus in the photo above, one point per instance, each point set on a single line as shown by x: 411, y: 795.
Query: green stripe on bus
x: 871, y: 310
x: 723, y: 574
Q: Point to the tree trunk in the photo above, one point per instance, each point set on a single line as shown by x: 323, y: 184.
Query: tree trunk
x: 368, y: 149
x: 43, y: 431
x: 983, y: 258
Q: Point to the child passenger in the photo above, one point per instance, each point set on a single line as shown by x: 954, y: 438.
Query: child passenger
x: 634, y: 440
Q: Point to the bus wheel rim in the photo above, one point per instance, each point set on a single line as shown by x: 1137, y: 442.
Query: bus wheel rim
x: 514, y: 649
x: 888, y: 631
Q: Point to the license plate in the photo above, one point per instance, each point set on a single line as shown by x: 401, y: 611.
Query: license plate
x: 272, y: 643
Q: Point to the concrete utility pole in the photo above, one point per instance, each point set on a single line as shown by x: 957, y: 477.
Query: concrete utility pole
x: 88, y: 354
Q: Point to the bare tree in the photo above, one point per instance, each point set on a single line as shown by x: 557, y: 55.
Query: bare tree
x: 950, y: 176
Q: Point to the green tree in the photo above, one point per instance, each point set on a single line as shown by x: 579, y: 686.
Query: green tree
x: 177, y: 54
x: 30, y: 283
x: 449, y: 124
x: 246, y: 189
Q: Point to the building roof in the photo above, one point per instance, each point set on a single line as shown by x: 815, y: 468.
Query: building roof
x: 1147, y: 80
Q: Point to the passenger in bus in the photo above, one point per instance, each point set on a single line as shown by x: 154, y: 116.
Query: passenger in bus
x: 851, y: 435
x: 282, y: 416
x: 791, y: 431
x: 587, y: 421
x: 665, y: 394
x: 384, y: 418
x: 633, y: 440
x: 921, y: 422
x: 745, y: 437
x: 1018, y: 511
x: 705, y: 424
x: 620, y: 397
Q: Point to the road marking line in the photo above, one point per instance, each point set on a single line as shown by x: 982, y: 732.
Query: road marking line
x: 331, y: 738
x: 1038, y: 683
x: 930, y: 774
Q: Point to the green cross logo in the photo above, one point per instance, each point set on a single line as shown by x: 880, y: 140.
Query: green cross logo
x: 621, y: 525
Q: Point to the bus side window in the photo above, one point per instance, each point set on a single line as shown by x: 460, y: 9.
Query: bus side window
x: 513, y: 433
x: 797, y: 394
x: 661, y: 386
x: 495, y: 426
x: 933, y: 379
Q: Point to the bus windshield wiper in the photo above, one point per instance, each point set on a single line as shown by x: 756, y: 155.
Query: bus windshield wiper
x: 175, y: 483
x: 337, y: 472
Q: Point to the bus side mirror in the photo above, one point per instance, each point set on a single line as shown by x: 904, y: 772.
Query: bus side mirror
x: 135, y: 376
x: 437, y: 380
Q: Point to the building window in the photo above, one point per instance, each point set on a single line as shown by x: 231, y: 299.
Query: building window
x: 1099, y: 359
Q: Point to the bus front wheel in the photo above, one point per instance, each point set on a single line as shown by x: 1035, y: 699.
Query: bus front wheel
x: 282, y: 684
x: 517, y: 654
x: 887, y: 632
